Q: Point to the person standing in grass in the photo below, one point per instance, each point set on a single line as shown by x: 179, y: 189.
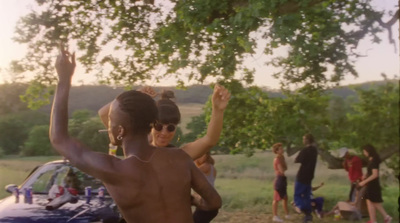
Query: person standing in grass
x: 280, y: 183
x: 206, y: 165
x: 353, y: 165
x: 302, y: 188
x: 373, y: 192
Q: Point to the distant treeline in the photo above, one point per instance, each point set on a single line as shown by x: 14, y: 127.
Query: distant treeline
x: 93, y: 97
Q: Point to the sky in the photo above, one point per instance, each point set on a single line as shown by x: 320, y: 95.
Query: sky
x: 380, y: 58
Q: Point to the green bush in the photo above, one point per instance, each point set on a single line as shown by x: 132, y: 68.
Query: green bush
x: 38, y: 143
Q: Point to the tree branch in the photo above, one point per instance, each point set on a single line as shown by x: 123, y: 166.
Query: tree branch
x: 335, y: 162
x: 388, y: 25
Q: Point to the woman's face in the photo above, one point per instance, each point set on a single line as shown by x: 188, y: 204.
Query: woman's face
x: 163, y: 136
x: 365, y: 153
x: 280, y: 151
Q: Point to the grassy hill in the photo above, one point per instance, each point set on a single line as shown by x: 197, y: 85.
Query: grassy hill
x: 245, y: 184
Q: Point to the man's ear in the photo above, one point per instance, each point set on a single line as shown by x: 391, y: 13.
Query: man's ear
x: 121, y: 130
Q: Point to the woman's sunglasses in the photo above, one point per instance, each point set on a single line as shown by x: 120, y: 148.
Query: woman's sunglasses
x: 159, y: 127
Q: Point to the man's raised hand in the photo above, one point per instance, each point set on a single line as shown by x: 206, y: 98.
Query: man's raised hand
x: 65, y: 64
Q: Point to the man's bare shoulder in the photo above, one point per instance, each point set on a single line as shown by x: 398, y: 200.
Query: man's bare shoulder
x: 173, y: 153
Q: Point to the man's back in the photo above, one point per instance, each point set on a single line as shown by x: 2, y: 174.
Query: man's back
x: 150, y: 184
x: 154, y: 190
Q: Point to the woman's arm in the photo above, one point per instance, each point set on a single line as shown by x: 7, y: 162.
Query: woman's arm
x: 205, y: 168
x: 199, y: 147
x: 207, y: 198
x: 103, y: 114
x: 374, y: 175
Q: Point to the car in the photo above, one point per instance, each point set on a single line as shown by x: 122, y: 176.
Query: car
x: 57, y: 192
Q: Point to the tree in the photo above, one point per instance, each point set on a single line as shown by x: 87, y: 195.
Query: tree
x: 77, y: 121
x: 201, y: 38
x: 196, y: 127
x: 253, y: 120
x: 13, y: 133
x: 376, y: 120
x: 38, y: 143
x: 89, y: 134
x: 85, y: 127
x: 10, y: 101
x: 15, y: 128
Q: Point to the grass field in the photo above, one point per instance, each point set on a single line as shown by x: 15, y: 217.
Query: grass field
x: 245, y: 185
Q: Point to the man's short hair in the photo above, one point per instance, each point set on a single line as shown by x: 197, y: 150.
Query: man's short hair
x: 141, y: 109
x: 309, y: 138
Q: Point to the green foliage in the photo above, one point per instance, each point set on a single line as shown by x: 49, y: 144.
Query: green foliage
x: 197, y: 39
x: 85, y: 127
x: 196, y: 127
x: 10, y: 98
x: 88, y: 133
x: 178, y: 138
x: 15, y: 128
x: 375, y: 118
x: 38, y: 143
x: 13, y: 133
x: 77, y: 121
x: 37, y: 94
x: 253, y: 120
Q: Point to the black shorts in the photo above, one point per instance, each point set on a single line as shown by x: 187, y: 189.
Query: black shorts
x: 373, y: 192
x: 281, y: 186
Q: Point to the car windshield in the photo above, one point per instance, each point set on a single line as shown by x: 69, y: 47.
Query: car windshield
x: 61, y: 174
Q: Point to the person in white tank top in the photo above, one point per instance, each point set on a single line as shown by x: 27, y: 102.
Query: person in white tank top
x: 206, y: 165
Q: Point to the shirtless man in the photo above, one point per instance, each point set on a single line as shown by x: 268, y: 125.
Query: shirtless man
x: 150, y: 185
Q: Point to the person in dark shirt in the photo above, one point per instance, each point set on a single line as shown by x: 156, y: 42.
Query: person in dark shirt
x: 302, y: 189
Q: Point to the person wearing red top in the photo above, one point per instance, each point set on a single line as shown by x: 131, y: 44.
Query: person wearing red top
x: 353, y: 165
x: 280, y: 183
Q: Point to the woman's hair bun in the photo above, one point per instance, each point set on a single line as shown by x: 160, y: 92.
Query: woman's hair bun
x: 167, y: 94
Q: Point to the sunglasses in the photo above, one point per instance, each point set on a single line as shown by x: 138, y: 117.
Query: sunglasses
x: 159, y: 127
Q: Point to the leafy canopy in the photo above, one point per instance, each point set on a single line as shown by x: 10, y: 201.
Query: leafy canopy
x: 124, y: 42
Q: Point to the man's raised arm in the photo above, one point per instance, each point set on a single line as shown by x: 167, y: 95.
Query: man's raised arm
x: 59, y: 137
x: 96, y: 164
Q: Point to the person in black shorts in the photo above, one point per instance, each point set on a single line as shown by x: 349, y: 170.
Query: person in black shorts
x: 373, y: 193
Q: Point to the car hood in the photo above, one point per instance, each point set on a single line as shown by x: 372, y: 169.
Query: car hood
x: 22, y: 210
